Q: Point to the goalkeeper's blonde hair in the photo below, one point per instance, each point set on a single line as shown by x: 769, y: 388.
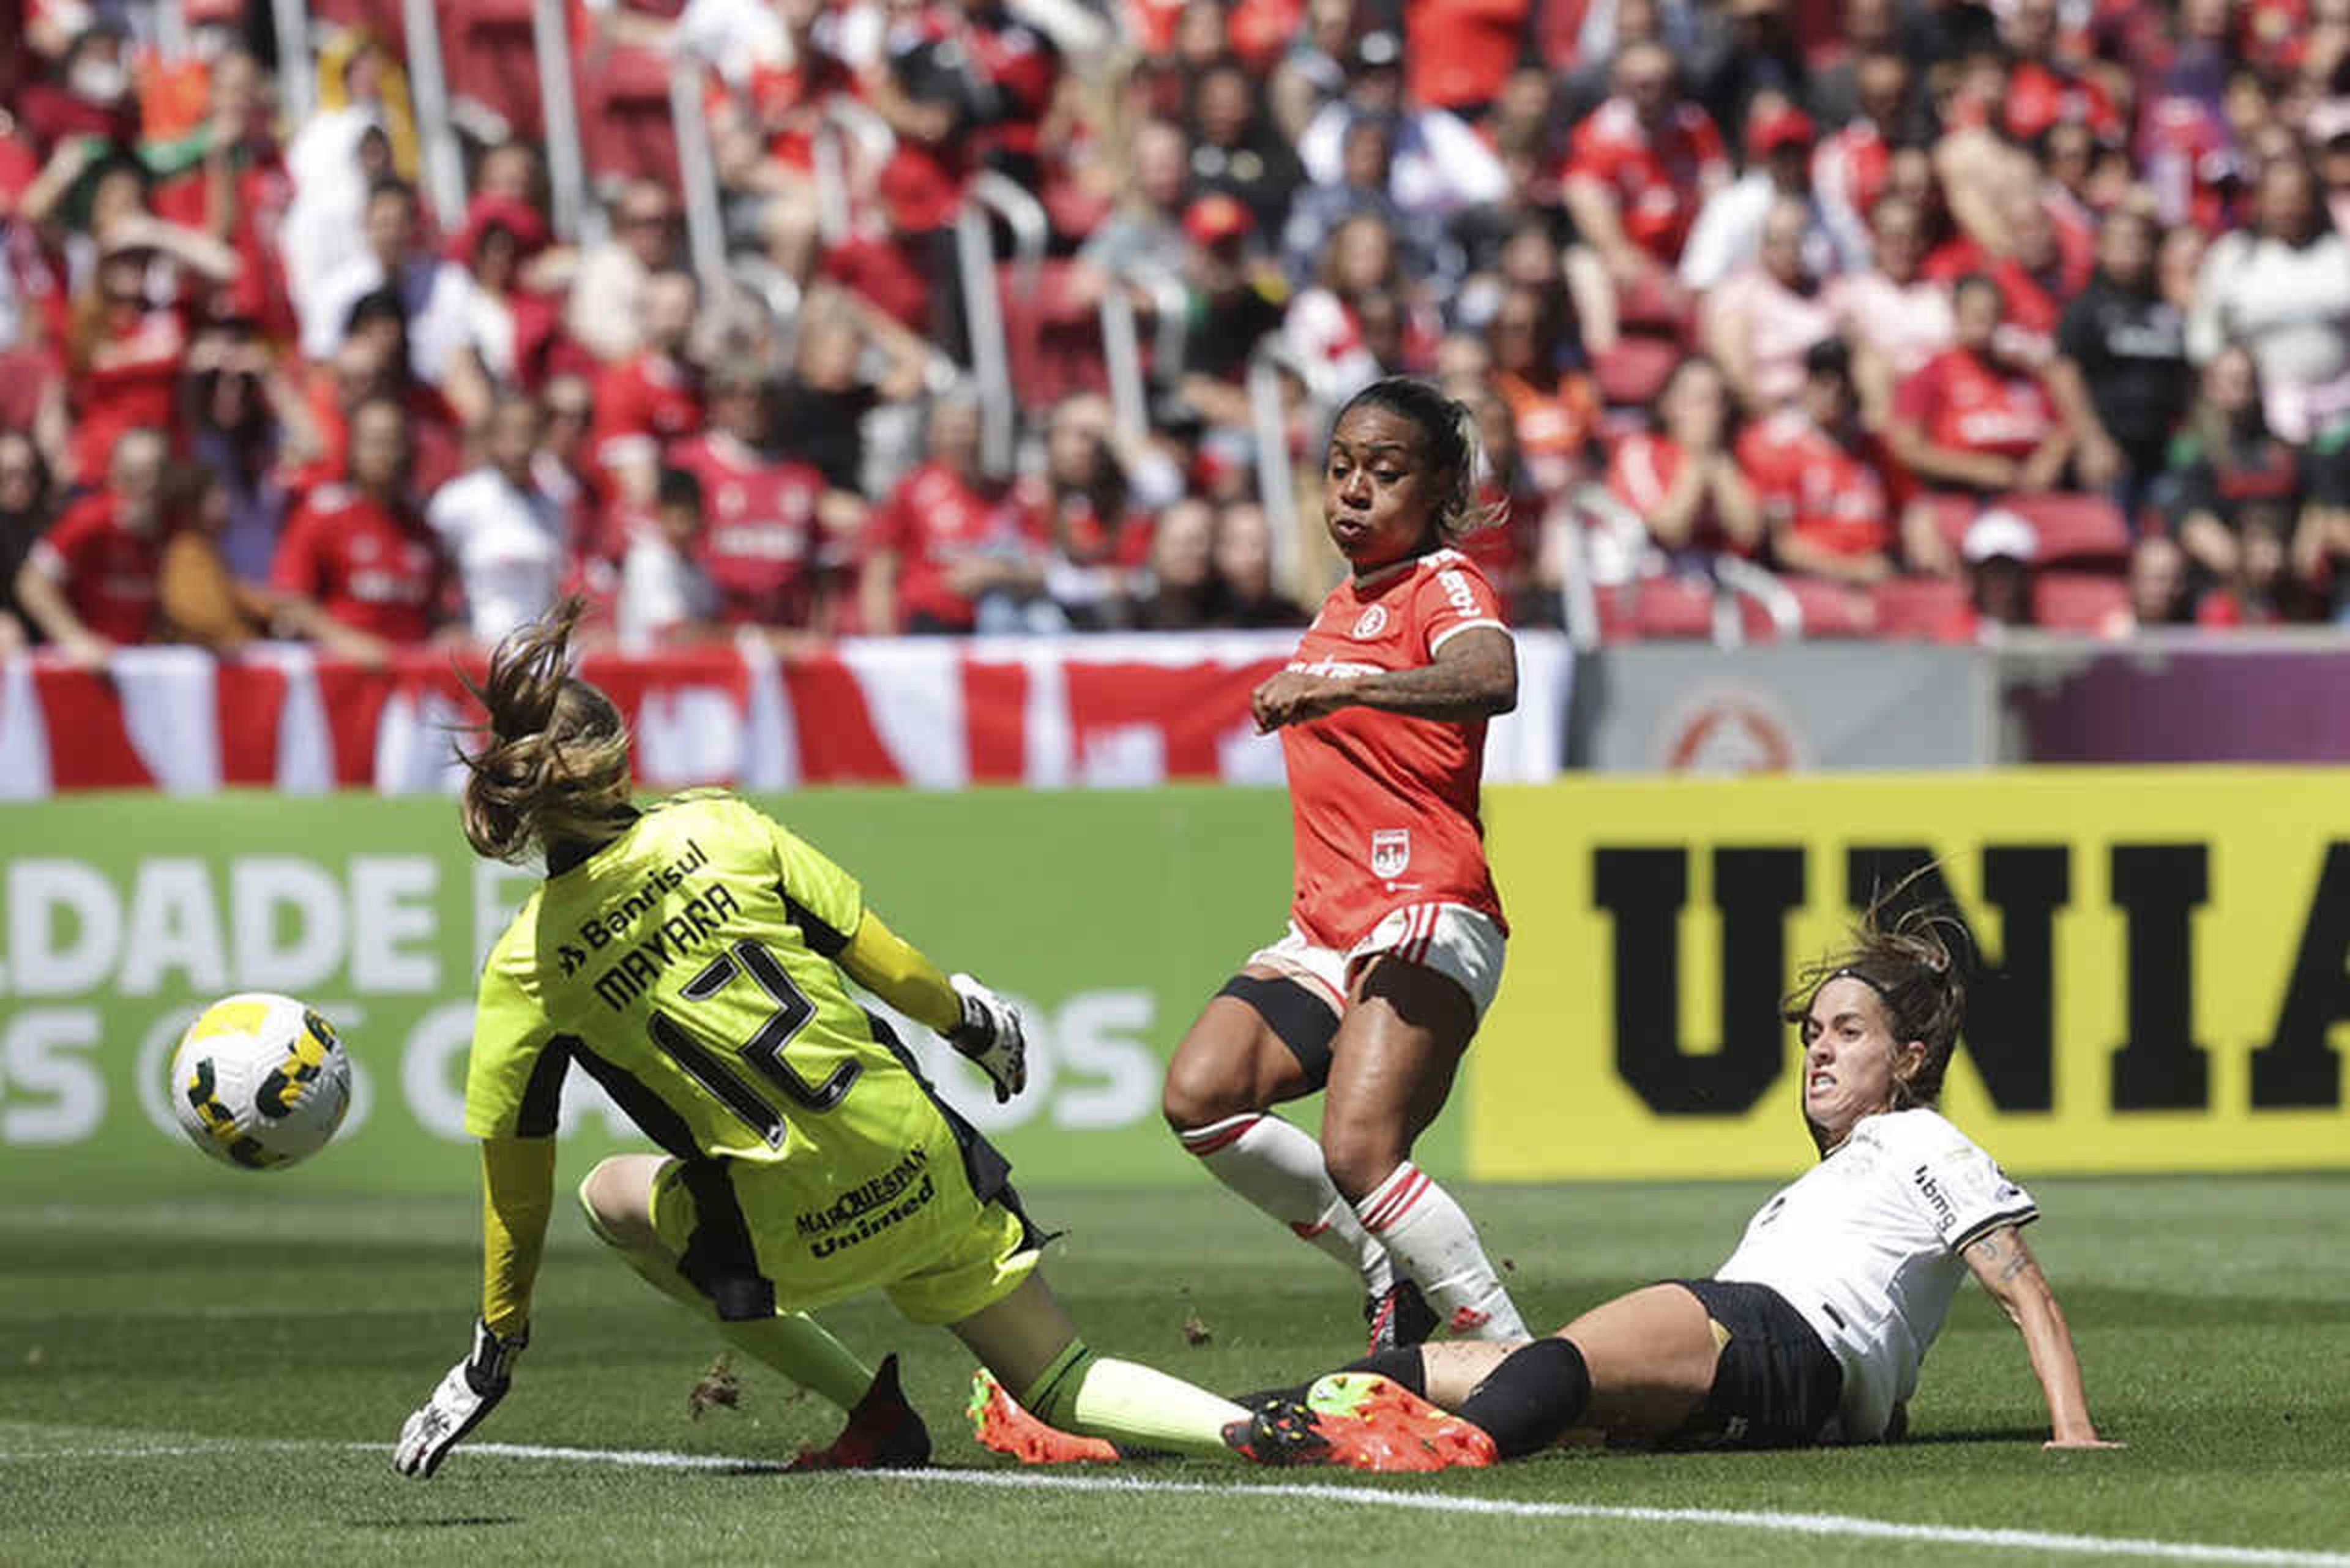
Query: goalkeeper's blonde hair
x: 550, y: 764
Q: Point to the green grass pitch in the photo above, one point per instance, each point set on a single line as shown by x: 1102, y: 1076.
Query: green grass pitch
x: 221, y: 1381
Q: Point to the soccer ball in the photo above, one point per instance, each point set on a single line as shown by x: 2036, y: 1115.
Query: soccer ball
x: 260, y: 1081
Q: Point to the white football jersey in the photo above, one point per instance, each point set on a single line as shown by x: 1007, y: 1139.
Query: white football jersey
x: 1865, y: 1245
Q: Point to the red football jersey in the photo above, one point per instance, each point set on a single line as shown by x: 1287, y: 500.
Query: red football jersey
x: 1965, y: 404
x: 133, y: 380
x: 1656, y: 180
x: 758, y: 529
x: 1384, y: 806
x: 641, y: 405
x: 933, y: 521
x: 1833, y: 497
x: 1641, y: 474
x: 111, y: 577
x: 368, y: 565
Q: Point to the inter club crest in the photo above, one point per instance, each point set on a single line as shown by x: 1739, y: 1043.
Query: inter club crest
x: 1390, y: 852
x: 1372, y: 622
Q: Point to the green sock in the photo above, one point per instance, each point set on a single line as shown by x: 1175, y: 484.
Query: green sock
x: 792, y: 1342
x: 1126, y: 1402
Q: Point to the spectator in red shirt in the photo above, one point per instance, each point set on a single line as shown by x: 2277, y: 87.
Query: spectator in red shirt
x: 1459, y: 52
x: 1821, y: 479
x: 94, y: 580
x: 124, y: 355
x: 1684, y: 480
x: 947, y: 542
x: 1975, y: 419
x: 2043, y: 85
x: 362, y: 551
x: 653, y: 398
x: 1640, y: 167
x: 759, y: 536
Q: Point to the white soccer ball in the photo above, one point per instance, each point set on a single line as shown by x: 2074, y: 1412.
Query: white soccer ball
x: 260, y: 1081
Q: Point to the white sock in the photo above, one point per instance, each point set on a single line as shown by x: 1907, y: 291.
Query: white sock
x: 1433, y: 1243
x: 1276, y: 1166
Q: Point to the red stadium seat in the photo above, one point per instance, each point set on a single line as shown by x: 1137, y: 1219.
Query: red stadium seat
x: 490, y: 57
x: 382, y: 18
x: 1053, y: 335
x: 2074, y: 528
x: 1652, y: 304
x: 1952, y: 516
x: 2092, y: 602
x: 1833, y: 610
x: 1655, y: 608
x: 1917, y: 607
x: 625, y: 128
x: 1632, y: 373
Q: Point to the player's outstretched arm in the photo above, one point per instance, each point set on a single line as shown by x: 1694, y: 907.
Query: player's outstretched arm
x: 2008, y: 1271
x: 1474, y: 675
x: 517, y: 1196
x: 966, y: 1014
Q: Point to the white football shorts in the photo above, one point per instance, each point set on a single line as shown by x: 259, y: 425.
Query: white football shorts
x: 1457, y: 942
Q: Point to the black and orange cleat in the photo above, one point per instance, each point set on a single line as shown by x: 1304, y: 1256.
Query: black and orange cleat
x: 884, y: 1432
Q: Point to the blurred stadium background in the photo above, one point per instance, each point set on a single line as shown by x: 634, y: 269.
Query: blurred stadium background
x: 928, y: 396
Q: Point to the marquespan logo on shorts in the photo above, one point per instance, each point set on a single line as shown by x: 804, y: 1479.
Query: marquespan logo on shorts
x: 1372, y: 621
x: 1390, y: 851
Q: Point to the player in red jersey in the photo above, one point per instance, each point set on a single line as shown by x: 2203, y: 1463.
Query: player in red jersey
x: 363, y: 551
x: 1394, y: 948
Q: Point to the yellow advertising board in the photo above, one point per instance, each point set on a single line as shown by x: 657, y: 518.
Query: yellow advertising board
x: 2169, y: 953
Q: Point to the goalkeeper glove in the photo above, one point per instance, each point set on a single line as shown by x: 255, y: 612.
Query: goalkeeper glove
x: 991, y: 1035
x: 471, y: 1391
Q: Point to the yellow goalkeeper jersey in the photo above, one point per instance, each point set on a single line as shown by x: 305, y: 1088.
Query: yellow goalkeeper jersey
x: 688, y: 966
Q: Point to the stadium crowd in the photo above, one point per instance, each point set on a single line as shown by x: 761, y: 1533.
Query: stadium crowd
x: 1923, y: 317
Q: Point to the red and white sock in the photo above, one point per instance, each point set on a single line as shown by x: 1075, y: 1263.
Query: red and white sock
x: 1435, y: 1247
x: 1276, y: 1166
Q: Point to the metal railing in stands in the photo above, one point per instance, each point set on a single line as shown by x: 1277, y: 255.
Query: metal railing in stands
x: 298, y: 74
x: 576, y: 218
x: 697, y: 175
x: 445, y: 162
x: 990, y: 193
x: 1735, y: 578
x: 1129, y: 396
x: 1276, y: 480
x: 845, y: 122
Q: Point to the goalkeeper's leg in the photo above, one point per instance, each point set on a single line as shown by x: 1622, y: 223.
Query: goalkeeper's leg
x: 1028, y: 1341
x: 617, y: 1198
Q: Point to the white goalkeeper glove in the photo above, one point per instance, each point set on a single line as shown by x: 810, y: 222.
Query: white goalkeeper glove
x: 991, y: 1035
x: 471, y: 1391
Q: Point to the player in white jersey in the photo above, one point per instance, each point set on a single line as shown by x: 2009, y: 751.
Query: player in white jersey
x: 1814, y: 1330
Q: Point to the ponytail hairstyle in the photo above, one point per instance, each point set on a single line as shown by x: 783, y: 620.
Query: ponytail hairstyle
x: 1448, y: 433
x: 551, y: 765
x: 1915, y: 960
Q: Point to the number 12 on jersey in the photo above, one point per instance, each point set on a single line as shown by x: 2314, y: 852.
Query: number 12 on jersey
x: 763, y: 1052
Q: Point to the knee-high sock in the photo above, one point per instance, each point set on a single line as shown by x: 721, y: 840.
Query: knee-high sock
x: 1435, y: 1247
x: 1530, y: 1397
x: 1276, y: 1166
x: 1126, y: 1402
x: 792, y: 1342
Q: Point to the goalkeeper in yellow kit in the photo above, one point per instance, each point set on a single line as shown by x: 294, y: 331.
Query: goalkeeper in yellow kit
x: 694, y: 960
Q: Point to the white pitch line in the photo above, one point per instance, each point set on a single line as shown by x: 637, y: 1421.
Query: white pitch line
x: 1847, y: 1526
